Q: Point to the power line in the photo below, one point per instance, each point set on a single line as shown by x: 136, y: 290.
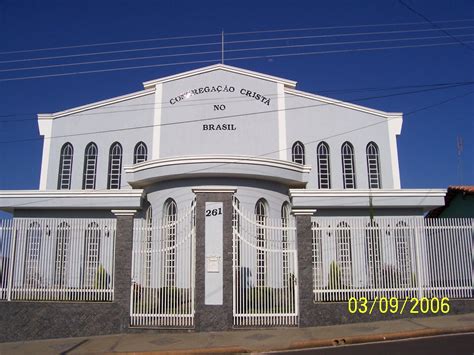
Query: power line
x: 219, y: 51
x: 216, y: 61
x: 233, y: 99
x: 219, y: 117
x: 227, y: 43
x: 435, y: 25
x: 219, y: 34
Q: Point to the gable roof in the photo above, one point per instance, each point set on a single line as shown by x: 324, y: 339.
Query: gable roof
x: 225, y: 67
x: 453, y: 191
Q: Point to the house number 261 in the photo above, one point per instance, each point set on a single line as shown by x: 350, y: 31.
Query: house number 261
x: 213, y: 212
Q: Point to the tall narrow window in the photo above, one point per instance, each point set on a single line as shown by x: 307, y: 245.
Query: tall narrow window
x: 90, y: 167
x: 236, y: 228
x: 63, y: 236
x: 403, y: 254
x: 65, y: 167
x: 285, y: 220
x: 373, y: 165
x: 324, y: 171
x: 261, y: 220
x: 170, y: 215
x: 317, y: 255
x: 115, y: 166
x: 374, y: 254
x: 348, y: 169
x: 148, y: 245
x: 140, y: 153
x: 344, y: 255
x: 297, y: 153
x: 92, y: 243
x: 31, y: 275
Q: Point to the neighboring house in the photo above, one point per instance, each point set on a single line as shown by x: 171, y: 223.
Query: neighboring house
x: 217, y: 198
x: 458, y: 203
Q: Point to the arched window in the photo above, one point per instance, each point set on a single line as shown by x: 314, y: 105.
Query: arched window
x: 374, y: 254
x: 31, y: 275
x: 403, y: 253
x: 344, y: 255
x: 261, y: 220
x: 92, y: 241
x: 115, y: 166
x: 285, y: 220
x: 170, y: 215
x: 324, y: 171
x: 297, y: 153
x: 63, y: 237
x: 148, y: 245
x: 65, y: 167
x: 348, y: 169
x: 140, y: 153
x: 90, y: 167
x: 373, y: 166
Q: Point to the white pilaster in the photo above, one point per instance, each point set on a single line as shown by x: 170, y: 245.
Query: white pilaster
x: 281, y: 122
x: 157, y: 121
x: 45, y: 128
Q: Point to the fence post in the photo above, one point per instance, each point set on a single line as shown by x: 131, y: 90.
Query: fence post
x: 123, y: 264
x: 11, y: 260
x: 304, y: 237
x: 419, y: 255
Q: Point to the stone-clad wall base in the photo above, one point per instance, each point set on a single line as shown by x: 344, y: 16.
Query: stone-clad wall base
x: 41, y: 320
x: 338, y: 313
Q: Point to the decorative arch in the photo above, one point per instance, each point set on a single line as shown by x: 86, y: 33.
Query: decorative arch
x: 115, y: 166
x: 261, y: 214
x: 90, y: 166
x: 170, y: 217
x: 297, y: 153
x: 324, y: 168
x: 348, y: 166
x: 140, y: 153
x: 373, y: 165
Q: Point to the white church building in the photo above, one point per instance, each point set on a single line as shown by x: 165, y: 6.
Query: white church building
x: 234, y: 184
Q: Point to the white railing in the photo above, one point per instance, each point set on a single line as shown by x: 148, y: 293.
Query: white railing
x: 162, y: 292
x: 265, y: 292
x: 392, y: 257
x: 54, y: 259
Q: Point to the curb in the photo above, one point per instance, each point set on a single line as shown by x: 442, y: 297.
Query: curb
x: 358, y: 339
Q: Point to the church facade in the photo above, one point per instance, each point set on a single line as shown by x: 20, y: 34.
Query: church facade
x: 213, y: 186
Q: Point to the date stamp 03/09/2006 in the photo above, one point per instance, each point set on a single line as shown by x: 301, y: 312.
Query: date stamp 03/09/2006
x: 394, y: 305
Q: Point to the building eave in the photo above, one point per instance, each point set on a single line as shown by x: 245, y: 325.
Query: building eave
x: 225, y: 67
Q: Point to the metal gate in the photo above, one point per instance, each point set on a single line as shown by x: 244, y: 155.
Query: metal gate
x: 265, y: 291
x: 162, y: 291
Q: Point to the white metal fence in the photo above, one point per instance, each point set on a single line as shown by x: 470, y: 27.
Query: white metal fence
x: 162, y: 292
x: 392, y: 257
x: 265, y: 292
x: 53, y: 259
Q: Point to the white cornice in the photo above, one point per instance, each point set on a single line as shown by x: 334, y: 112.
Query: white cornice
x: 124, y: 212
x: 114, y: 100
x: 152, y: 83
x: 214, y: 189
x: 221, y: 159
x: 343, y: 104
x: 69, y: 193
x: 303, y: 211
x: 366, y: 192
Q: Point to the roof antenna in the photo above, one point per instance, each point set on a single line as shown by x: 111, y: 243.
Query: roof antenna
x: 222, y: 49
x: 460, y: 148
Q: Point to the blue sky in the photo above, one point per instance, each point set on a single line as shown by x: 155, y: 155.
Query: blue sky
x: 427, y: 146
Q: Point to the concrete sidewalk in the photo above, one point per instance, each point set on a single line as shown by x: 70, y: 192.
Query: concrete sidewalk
x: 245, y: 341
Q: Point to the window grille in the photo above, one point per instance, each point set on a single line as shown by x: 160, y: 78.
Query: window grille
x: 115, y: 166
x: 348, y: 170
x: 236, y: 226
x: 92, y: 243
x: 297, y: 153
x: 285, y: 217
x: 170, y: 215
x: 140, y: 153
x: 31, y: 272
x: 343, y: 256
x: 374, y: 254
x: 373, y: 165
x: 317, y: 255
x: 324, y: 171
x: 65, y: 167
x: 63, y: 237
x: 261, y: 219
x: 90, y: 167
